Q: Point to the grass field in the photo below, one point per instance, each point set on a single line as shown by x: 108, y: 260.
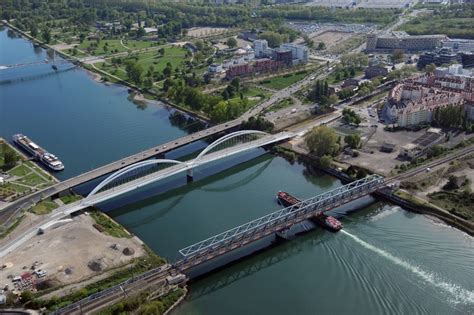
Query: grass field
x: 112, y: 46
x: 281, y: 82
x: 284, y: 103
x: 174, y: 55
x: 70, y: 198
x: 44, y: 207
x: 110, y: 227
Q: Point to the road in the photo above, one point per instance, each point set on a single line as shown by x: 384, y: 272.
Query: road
x: 65, y: 211
x: 13, y: 208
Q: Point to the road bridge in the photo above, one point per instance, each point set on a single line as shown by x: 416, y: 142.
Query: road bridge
x: 146, y: 172
x: 9, y: 213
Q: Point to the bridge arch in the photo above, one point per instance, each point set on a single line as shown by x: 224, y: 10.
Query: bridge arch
x: 129, y: 169
x: 226, y: 138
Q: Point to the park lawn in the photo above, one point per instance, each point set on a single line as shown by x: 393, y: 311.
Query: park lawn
x: 138, y: 44
x: 44, y: 207
x: 281, y: 82
x: 114, y: 46
x: 108, y: 67
x: 79, y: 54
x: 173, y: 55
x: 17, y: 188
x: 20, y: 170
x: 32, y: 179
x: 332, y: 77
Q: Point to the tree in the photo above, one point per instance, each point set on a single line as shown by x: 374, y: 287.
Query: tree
x: 325, y: 161
x: 398, y: 55
x: 235, y: 83
x: 353, y: 141
x: 231, y: 42
x: 321, y: 46
x: 219, y: 113
x: 134, y: 72
x: 430, y: 68
x: 26, y: 296
x: 273, y: 39
x: 9, y: 157
x: 199, y: 44
x: 141, y: 32
x: 322, y: 141
x: 350, y: 117
x: 46, y: 35
x: 225, y: 94
x: 168, y: 70
x: 33, y: 30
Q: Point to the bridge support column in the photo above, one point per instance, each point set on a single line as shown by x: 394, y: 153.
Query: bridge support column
x: 190, y: 175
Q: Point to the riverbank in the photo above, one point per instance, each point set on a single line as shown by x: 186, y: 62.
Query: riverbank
x: 98, y: 75
x: 404, y: 200
x: 22, y: 178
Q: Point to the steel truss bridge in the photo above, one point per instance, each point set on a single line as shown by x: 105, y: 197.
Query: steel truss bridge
x: 277, y: 221
x: 149, y: 171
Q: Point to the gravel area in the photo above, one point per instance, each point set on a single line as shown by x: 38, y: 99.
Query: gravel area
x: 67, y: 252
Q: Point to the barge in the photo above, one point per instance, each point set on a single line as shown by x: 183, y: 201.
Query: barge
x: 329, y: 222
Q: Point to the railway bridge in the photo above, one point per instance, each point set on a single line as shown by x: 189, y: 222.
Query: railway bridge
x: 275, y: 222
x: 225, y: 242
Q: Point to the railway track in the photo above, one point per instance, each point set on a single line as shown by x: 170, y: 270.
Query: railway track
x: 422, y: 168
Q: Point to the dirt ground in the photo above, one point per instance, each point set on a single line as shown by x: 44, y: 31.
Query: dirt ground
x: 331, y: 38
x: 372, y: 138
x: 198, y: 32
x: 436, y: 178
x: 65, y: 252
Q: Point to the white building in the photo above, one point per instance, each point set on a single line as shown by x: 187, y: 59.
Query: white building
x: 260, y: 46
x: 299, y: 53
x: 215, y: 68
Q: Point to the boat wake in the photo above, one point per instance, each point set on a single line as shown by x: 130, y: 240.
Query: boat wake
x: 458, y: 294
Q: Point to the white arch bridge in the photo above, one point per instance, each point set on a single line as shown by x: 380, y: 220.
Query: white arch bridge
x: 149, y: 171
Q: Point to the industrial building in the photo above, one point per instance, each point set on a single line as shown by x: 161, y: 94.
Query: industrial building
x: 300, y: 53
x: 420, y: 146
x: 403, y: 41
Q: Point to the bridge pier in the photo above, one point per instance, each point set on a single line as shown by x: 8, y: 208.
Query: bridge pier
x: 190, y: 175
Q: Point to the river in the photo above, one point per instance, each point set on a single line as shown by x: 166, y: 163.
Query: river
x: 385, y: 261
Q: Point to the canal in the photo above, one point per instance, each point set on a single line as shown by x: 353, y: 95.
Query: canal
x: 386, y: 260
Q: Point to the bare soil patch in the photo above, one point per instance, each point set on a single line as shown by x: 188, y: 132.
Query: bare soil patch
x: 67, y: 253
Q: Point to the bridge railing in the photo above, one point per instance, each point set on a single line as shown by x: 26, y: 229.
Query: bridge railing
x: 328, y: 200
